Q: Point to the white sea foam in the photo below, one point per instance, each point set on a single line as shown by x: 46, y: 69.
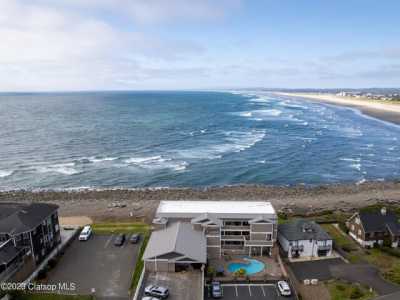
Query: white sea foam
x: 234, y: 141
x: 63, y: 168
x: 156, y: 162
x: 5, y: 173
x: 361, y: 181
x: 95, y: 159
x: 260, y: 99
x: 356, y: 166
x: 245, y: 114
x: 351, y: 159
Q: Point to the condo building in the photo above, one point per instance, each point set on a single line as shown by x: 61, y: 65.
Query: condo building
x: 190, y: 232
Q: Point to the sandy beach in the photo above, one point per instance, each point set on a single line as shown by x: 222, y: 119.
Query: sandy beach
x: 381, y: 110
x: 141, y: 204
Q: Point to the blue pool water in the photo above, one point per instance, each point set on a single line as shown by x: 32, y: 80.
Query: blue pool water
x: 251, y: 266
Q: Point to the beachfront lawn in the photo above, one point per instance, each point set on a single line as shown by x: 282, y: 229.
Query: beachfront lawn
x: 115, y: 227
x: 139, y: 263
x: 388, y: 264
x: 340, y: 290
x: 38, y: 296
x: 343, y: 241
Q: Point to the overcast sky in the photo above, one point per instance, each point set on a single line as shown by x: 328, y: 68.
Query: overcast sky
x: 193, y: 44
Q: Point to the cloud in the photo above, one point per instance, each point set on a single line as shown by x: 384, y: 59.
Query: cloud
x: 60, y: 47
x: 382, y: 72
x: 356, y: 55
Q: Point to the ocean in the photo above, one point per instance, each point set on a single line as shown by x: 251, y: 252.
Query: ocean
x: 187, y: 139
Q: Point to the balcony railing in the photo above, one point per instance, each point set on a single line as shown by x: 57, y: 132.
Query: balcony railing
x: 234, y: 227
x: 258, y: 243
x: 232, y: 237
x: 324, y: 248
x: 297, y: 248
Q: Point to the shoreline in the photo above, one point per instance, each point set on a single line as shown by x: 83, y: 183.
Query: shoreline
x: 141, y: 204
x: 379, y: 110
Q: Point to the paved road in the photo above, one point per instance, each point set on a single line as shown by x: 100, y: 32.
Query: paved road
x: 365, y: 274
x: 248, y: 292
x: 316, y: 269
x: 97, y: 264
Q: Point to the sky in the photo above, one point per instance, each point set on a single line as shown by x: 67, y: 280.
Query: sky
x: 69, y: 45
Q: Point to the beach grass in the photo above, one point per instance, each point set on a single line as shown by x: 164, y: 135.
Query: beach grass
x: 388, y: 264
x: 116, y: 227
x: 42, y: 296
x: 139, y: 263
x: 340, y: 290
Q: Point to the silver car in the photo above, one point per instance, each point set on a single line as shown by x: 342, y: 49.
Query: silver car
x: 156, y: 291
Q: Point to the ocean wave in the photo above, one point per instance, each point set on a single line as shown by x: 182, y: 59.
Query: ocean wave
x: 292, y: 105
x: 351, y: 159
x: 5, y: 173
x: 96, y: 159
x: 156, y: 162
x: 63, y: 168
x: 260, y: 99
x: 356, y: 166
x: 234, y: 141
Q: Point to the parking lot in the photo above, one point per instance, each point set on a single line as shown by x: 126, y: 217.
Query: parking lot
x: 97, y: 264
x: 247, y: 292
x: 182, y: 286
x: 319, y: 269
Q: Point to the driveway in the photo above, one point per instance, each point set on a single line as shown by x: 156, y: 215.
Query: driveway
x: 182, y: 285
x: 97, y: 264
x: 248, y: 292
x: 316, y: 269
x: 365, y: 274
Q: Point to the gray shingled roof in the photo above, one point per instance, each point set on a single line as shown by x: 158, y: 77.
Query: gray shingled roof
x: 178, y: 238
x: 294, y: 231
x: 375, y: 221
x: 18, y: 218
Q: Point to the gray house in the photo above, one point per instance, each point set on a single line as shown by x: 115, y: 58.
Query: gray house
x: 190, y: 232
x: 304, y: 239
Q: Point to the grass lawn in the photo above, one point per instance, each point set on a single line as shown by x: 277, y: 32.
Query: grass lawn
x: 345, y: 291
x: 388, y: 264
x: 354, y: 253
x: 32, y: 296
x: 114, y: 227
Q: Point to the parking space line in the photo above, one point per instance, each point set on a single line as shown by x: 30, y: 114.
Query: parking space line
x: 263, y: 291
x: 108, y: 241
x: 237, y: 295
x: 249, y: 290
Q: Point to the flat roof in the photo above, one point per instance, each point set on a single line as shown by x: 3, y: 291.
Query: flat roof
x: 216, y: 207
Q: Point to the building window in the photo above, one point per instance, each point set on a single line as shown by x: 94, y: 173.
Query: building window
x: 352, y: 227
x: 269, y: 237
x: 359, y: 231
x: 357, y: 221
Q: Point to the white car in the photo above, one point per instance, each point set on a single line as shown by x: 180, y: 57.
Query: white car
x: 284, y: 288
x: 85, y: 233
x: 156, y: 291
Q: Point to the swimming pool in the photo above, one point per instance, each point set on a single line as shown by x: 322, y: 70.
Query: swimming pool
x: 251, y: 266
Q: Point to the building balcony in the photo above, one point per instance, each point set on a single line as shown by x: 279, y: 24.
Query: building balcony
x: 297, y: 248
x: 232, y: 237
x: 232, y: 247
x: 324, y: 248
x: 258, y: 243
x: 233, y: 227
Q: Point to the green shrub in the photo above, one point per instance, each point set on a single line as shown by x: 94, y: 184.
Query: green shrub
x: 240, y: 272
x: 356, y: 293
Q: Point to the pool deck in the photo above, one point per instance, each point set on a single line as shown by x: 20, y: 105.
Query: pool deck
x: 272, y: 270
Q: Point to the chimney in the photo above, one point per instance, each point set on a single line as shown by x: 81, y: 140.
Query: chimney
x: 383, y: 211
